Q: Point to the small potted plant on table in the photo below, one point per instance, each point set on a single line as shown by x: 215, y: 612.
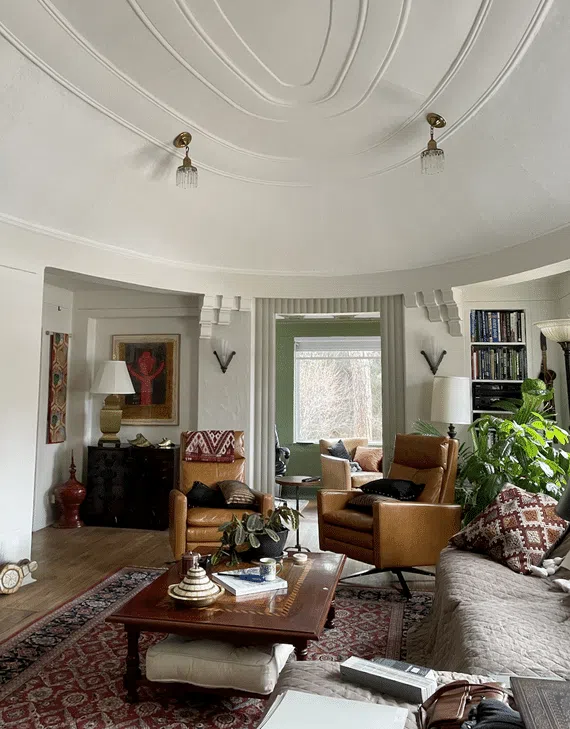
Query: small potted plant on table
x: 255, y: 536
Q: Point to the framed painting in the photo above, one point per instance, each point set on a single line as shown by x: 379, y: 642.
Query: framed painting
x: 153, y: 364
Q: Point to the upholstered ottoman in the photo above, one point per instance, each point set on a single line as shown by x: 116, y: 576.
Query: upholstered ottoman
x: 323, y: 677
x: 214, y: 664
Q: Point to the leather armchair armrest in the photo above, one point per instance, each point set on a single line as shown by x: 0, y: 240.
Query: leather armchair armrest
x: 264, y: 502
x: 334, y: 500
x: 177, y: 518
x: 412, y: 534
x: 335, y: 473
x: 330, y: 501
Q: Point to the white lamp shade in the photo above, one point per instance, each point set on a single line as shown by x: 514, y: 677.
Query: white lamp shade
x: 451, y: 400
x: 557, y: 330
x: 112, y: 378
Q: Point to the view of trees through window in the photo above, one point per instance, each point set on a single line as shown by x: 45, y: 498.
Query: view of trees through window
x: 338, y: 388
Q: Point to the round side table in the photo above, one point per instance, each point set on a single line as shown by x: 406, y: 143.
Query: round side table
x: 298, y: 482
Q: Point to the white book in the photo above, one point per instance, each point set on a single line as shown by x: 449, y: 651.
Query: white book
x: 238, y: 587
x: 295, y: 709
x: 410, y: 686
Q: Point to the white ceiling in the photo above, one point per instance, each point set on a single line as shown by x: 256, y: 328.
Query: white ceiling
x: 308, y: 117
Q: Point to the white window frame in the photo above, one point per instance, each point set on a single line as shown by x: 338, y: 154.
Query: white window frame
x: 312, y: 344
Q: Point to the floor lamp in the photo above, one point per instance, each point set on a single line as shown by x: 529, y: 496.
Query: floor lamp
x: 451, y: 402
x: 558, y: 330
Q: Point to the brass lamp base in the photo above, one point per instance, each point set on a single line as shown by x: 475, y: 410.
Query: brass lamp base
x: 110, y: 422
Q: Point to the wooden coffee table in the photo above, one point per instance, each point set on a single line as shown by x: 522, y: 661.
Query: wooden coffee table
x: 295, y: 617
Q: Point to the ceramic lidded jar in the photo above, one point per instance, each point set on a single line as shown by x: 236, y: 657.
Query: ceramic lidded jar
x: 195, y: 589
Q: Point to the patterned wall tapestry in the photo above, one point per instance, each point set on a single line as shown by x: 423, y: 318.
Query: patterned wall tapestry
x: 57, y: 396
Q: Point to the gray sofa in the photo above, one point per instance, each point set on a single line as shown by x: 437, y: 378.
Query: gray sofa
x: 488, y: 619
x: 485, y: 619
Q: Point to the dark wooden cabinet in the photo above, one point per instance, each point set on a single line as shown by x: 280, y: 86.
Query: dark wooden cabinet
x: 129, y: 487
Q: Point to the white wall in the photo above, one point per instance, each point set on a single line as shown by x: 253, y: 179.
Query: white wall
x: 98, y: 315
x: 20, y: 326
x: 539, y: 298
x: 52, y: 459
x: 224, y: 400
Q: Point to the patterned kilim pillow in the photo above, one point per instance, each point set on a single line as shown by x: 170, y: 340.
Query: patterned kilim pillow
x: 516, y: 529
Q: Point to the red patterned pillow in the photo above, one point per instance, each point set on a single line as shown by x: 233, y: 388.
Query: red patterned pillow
x: 516, y: 529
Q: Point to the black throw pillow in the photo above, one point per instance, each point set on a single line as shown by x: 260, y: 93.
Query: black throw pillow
x: 338, y: 450
x: 202, y: 495
x: 395, y: 488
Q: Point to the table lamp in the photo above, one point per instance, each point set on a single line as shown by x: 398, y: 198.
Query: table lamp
x: 451, y: 402
x: 112, y: 379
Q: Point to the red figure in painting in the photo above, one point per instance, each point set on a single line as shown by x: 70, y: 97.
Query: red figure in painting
x: 146, y: 374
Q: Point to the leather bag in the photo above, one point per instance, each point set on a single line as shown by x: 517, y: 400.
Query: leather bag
x: 450, y: 705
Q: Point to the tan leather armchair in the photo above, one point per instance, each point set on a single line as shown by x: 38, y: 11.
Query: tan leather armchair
x: 398, y: 535
x: 336, y: 473
x: 198, y: 526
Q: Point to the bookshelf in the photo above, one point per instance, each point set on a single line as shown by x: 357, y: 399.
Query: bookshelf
x: 498, y: 356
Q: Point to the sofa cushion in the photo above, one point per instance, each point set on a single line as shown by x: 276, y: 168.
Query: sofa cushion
x: 431, y: 477
x: 236, y: 494
x: 204, y: 517
x: 202, y: 495
x: 215, y: 664
x: 516, y: 529
x: 338, y: 450
x: 399, y: 489
x: 350, y: 519
x: 369, y: 458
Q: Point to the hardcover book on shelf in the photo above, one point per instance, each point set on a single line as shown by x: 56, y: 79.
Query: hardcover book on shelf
x: 542, y: 703
x: 247, y: 582
x: 296, y: 709
x: 409, y: 684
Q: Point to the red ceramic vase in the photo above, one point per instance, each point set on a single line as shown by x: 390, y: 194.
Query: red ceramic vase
x: 69, y: 496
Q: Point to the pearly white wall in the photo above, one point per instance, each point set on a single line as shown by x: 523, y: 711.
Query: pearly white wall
x: 224, y: 399
x: 20, y: 327
x: 52, y: 459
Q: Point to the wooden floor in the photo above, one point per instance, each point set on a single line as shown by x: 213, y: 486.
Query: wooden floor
x: 71, y: 561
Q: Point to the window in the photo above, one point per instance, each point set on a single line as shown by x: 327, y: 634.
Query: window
x: 338, y: 388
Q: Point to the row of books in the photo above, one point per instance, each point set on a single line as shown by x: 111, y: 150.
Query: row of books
x: 497, y: 326
x: 501, y: 363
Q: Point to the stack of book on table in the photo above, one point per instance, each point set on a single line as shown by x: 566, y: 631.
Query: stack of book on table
x: 296, y: 709
x: 247, y: 582
x: 413, y: 684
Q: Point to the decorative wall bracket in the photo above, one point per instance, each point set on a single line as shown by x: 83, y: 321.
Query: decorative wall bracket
x: 217, y: 310
x: 434, y: 366
x: 440, y: 305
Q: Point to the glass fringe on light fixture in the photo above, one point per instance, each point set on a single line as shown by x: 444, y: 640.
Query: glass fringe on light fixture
x: 432, y: 158
x: 186, y: 174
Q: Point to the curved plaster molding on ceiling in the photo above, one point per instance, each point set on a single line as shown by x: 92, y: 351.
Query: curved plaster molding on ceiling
x: 221, y: 155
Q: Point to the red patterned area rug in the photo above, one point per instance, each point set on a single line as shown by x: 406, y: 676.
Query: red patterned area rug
x: 65, y: 671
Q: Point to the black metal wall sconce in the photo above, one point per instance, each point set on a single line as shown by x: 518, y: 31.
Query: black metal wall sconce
x: 225, y: 357
x: 431, y: 357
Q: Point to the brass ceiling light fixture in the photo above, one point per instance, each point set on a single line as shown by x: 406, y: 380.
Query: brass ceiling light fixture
x: 186, y: 174
x: 433, y: 158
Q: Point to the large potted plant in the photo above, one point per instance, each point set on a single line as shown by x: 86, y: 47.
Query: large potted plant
x: 524, y: 448
x: 255, y: 536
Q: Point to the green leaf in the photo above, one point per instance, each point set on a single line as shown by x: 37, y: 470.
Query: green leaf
x: 254, y: 541
x: 271, y: 534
